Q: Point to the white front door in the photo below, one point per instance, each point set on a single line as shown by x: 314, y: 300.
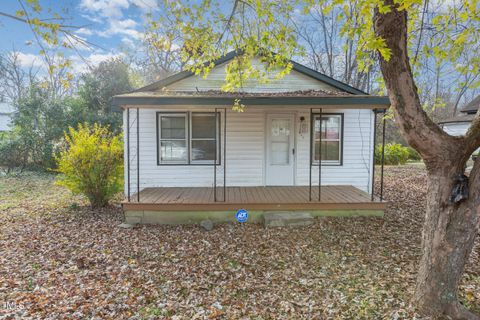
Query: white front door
x: 280, y: 146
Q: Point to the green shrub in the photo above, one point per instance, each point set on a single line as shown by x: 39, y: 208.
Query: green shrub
x: 395, y: 154
x: 13, y: 152
x: 413, y: 154
x: 92, y: 163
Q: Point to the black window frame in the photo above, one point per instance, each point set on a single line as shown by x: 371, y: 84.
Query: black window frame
x: 314, y: 162
x: 188, y: 115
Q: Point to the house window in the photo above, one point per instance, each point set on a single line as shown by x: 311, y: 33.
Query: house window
x: 188, y: 138
x: 173, y: 138
x: 329, y: 146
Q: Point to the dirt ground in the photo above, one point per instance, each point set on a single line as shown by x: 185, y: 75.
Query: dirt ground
x: 60, y: 259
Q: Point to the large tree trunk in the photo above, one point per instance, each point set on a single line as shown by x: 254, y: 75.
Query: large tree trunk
x: 448, y: 236
x: 450, y: 229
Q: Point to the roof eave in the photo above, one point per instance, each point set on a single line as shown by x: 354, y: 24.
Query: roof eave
x: 454, y: 121
x: 374, y: 101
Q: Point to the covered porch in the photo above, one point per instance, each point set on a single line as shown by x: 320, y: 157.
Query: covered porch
x: 236, y: 177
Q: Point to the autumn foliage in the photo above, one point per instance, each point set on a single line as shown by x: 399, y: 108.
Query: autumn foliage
x: 92, y: 163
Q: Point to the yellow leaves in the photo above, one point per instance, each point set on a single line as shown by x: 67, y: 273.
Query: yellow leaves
x: 461, y: 39
x: 439, y: 53
x: 92, y: 164
x: 51, y: 69
x: 385, y: 52
x: 34, y: 5
x: 44, y: 84
x: 20, y: 13
x: 378, y: 44
x: 408, y: 4
x: 65, y: 83
x: 470, y: 296
x: 238, y: 106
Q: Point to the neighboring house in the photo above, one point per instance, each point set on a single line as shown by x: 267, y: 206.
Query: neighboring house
x: 197, y: 158
x: 458, y: 125
x: 6, y: 114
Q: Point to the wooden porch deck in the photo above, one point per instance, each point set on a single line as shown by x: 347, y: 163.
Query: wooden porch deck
x: 253, y: 198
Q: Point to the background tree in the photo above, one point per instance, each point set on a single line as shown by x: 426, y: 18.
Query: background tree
x: 161, y: 48
x: 329, y: 50
x: 98, y: 87
x: 44, y: 112
x: 14, y: 79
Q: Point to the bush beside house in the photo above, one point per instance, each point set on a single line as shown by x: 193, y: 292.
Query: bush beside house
x: 92, y: 163
x: 395, y: 154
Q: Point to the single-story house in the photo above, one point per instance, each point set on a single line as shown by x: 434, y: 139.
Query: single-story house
x: 6, y: 114
x: 459, y: 124
x: 302, y: 143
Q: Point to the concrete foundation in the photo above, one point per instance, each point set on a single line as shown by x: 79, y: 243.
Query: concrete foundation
x: 195, y: 217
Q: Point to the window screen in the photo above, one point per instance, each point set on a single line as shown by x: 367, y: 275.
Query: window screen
x: 173, y: 138
x: 329, y: 147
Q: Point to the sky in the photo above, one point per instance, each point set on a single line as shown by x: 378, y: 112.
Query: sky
x: 109, y: 24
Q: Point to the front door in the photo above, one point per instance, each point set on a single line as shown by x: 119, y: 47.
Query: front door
x: 280, y: 150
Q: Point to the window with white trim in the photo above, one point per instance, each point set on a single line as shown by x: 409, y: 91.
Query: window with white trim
x: 188, y: 138
x: 329, y: 146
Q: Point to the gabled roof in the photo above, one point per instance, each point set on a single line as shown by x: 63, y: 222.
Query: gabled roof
x: 229, y: 56
x: 472, y: 106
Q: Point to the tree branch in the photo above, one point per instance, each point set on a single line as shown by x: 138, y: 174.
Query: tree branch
x: 41, y: 20
x: 418, y: 129
x: 472, y: 137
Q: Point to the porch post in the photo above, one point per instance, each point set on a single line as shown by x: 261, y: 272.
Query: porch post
x: 383, y: 157
x: 128, y: 154
x: 311, y: 162
x: 215, y: 161
x: 138, y: 154
x: 224, y: 154
x: 218, y: 145
x: 373, y: 151
x: 320, y: 159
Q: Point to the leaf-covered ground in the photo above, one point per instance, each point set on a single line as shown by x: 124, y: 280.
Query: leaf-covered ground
x: 60, y: 259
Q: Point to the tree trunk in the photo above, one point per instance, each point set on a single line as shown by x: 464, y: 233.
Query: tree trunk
x: 448, y: 236
x: 449, y: 230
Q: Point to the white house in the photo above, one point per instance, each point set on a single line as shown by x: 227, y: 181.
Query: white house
x: 459, y: 124
x: 6, y: 113
x: 189, y: 156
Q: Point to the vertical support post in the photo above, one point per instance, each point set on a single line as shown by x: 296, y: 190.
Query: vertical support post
x: 138, y: 155
x: 383, y: 158
x: 320, y: 159
x: 311, y: 132
x: 373, y: 151
x: 224, y: 154
x: 215, y: 161
x: 128, y: 154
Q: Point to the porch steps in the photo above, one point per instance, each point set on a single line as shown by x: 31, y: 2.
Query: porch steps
x: 287, y: 219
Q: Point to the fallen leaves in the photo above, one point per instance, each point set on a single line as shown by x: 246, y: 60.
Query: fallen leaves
x: 64, y: 261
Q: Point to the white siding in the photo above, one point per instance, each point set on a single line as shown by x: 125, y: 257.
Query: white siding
x: 246, y: 151
x: 6, y: 114
x: 357, y: 155
x: 291, y: 82
x: 5, y: 121
x: 456, y: 129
